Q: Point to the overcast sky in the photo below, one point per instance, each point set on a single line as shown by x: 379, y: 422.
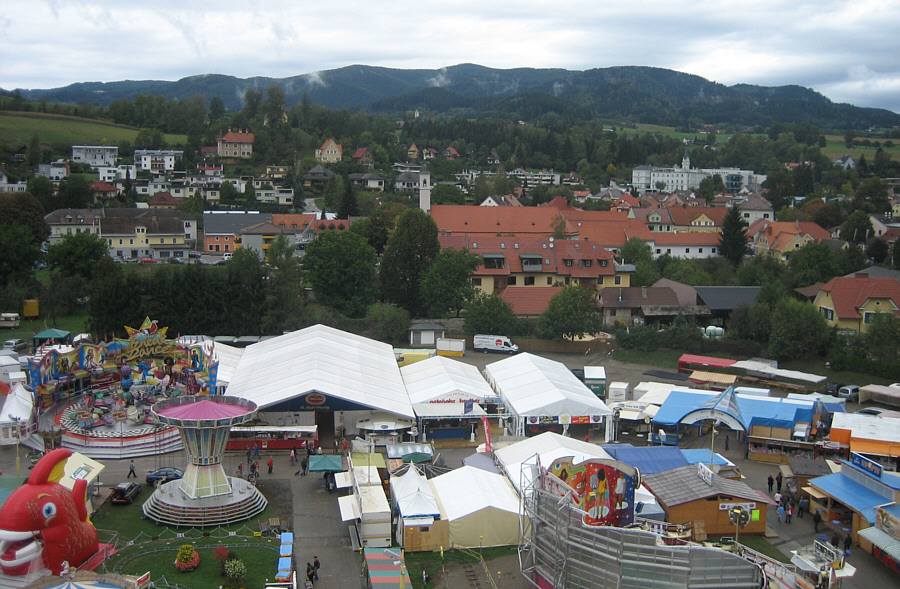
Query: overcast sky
x: 847, y: 50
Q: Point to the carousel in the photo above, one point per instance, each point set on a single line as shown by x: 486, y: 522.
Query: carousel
x: 98, y: 396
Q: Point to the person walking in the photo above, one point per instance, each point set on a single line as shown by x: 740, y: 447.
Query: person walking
x: 803, y: 506
x: 780, y: 512
x: 256, y: 451
x: 848, y: 542
x: 304, y: 466
x: 726, y: 442
x: 789, y: 512
x: 249, y: 454
x: 310, y: 572
x: 778, y: 497
x: 771, y: 482
x: 240, y: 469
x: 131, y: 472
x: 293, y: 457
x: 316, y: 567
x: 778, y: 481
x: 817, y: 519
x: 270, y: 464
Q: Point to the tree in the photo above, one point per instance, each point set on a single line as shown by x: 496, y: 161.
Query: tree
x: 447, y: 285
x: 895, y: 254
x: 877, y: 250
x: 857, y: 228
x: 21, y: 208
x: 59, y: 297
x: 388, y: 323
x: 41, y: 188
x: 876, y: 192
x: 34, y: 155
x: 707, y: 189
x: 812, y: 263
x: 340, y: 268
x: 284, y: 295
x: 216, y: 110
x: 882, y: 338
x: 113, y: 302
x: 410, y: 251
x: 348, y: 205
x: 488, y: 313
x: 445, y: 194
x: 733, y: 239
x: 244, y: 293
x: 571, y: 313
x: 333, y: 192
x: 77, y: 254
x: 20, y: 252
x: 379, y: 225
x: 798, y: 331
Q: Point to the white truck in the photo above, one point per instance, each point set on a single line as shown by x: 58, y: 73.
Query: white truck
x: 494, y: 343
x: 9, y: 320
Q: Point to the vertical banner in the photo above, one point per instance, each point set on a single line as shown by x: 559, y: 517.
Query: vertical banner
x: 487, y: 434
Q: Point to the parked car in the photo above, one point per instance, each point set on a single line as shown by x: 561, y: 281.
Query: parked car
x: 148, y: 261
x: 175, y: 261
x: 876, y: 411
x: 832, y: 388
x: 125, y: 493
x: 164, y: 475
x: 16, y: 345
x: 849, y: 392
x: 227, y: 256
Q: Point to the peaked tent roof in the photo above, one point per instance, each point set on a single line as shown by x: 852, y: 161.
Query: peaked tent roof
x: 483, y: 489
x: 532, y: 386
x: 414, y: 495
x: 19, y: 404
x: 326, y: 360
x: 516, y: 458
x: 55, y: 334
x: 439, y: 376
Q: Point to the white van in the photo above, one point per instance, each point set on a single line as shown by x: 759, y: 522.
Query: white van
x: 9, y: 320
x: 494, y: 343
x: 849, y: 392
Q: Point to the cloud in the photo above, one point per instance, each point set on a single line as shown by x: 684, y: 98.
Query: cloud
x: 315, y: 79
x: 440, y: 80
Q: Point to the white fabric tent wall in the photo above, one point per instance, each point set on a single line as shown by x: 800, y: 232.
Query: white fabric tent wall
x: 413, y: 494
x: 531, y: 386
x: 443, y: 378
x: 19, y: 404
x: 486, y: 514
x: 228, y: 358
x: 325, y: 360
x: 517, y: 459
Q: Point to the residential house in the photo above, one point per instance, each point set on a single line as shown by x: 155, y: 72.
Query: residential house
x: 222, y: 229
x: 450, y: 153
x: 275, y: 173
x: 95, y: 155
x: 367, y: 181
x: 147, y: 236
x: 364, y: 157
x: 753, y: 208
x: 236, y: 145
x: 103, y: 192
x: 850, y: 303
x: 331, y: 152
x: 639, y: 305
x: 116, y: 174
x: 429, y: 153
x: 56, y: 171
x: 64, y: 222
x: 259, y: 238
x: 7, y: 186
x: 846, y: 162
x: 317, y: 175
x: 685, y: 244
x: 779, y: 238
x: 626, y: 202
x: 157, y: 160
x: 298, y: 227
x: 529, y: 301
x: 164, y: 200
x: 538, y: 261
x: 413, y: 153
x: 529, y: 179
x: 211, y: 170
x: 494, y: 158
x: 501, y: 200
x: 572, y: 179
x: 723, y: 300
x: 687, y: 218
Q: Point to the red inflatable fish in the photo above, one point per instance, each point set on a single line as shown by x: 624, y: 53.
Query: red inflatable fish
x: 42, y: 520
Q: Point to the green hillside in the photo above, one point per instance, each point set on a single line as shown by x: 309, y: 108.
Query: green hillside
x: 17, y: 129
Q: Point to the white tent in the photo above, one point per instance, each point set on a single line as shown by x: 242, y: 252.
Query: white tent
x: 442, y: 380
x: 518, y: 458
x: 19, y: 405
x: 227, y: 356
x: 324, y: 360
x: 486, y: 514
x: 535, y: 387
x: 413, y: 495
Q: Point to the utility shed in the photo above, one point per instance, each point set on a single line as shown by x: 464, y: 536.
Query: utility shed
x: 687, y: 497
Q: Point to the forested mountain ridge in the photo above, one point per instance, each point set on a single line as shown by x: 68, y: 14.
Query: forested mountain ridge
x: 627, y: 93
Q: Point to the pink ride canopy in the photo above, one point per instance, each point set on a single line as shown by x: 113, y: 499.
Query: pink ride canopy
x: 204, y: 410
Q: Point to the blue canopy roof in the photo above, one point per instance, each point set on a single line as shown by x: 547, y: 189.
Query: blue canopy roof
x: 775, y: 412
x: 851, y: 494
x: 649, y: 459
x: 701, y: 455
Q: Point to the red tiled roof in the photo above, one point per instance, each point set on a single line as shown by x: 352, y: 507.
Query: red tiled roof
x: 330, y: 140
x: 476, y: 220
x: 851, y: 293
x: 103, y: 187
x: 360, y: 152
x: 164, y: 198
x: 685, y: 216
x: 292, y: 222
x: 780, y: 233
x: 529, y: 300
x: 235, y: 137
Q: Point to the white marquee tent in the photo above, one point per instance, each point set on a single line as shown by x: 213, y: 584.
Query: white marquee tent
x: 322, y: 359
x: 228, y: 357
x: 486, y: 514
x: 19, y: 405
x: 440, y: 379
x: 518, y: 458
x: 532, y: 387
x: 413, y: 495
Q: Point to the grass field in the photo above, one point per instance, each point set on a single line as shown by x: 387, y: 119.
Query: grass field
x: 835, y: 147
x: 17, y: 129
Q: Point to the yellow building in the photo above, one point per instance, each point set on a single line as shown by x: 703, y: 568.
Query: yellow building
x: 850, y: 303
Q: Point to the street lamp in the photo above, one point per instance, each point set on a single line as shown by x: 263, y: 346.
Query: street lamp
x: 18, y: 434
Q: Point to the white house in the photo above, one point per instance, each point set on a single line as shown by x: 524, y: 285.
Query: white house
x: 95, y: 155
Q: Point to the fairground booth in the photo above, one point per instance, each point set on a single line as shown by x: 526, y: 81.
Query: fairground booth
x: 448, y: 397
x: 878, y: 438
x: 848, y: 499
x: 543, y: 395
x: 334, y: 380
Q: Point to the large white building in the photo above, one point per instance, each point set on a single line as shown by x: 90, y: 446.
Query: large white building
x: 651, y: 178
x: 95, y: 155
x: 157, y: 160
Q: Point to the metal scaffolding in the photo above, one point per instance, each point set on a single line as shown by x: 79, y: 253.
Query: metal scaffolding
x: 558, y: 550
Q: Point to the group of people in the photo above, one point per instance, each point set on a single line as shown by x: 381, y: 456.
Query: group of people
x: 312, y: 572
x: 788, y: 506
